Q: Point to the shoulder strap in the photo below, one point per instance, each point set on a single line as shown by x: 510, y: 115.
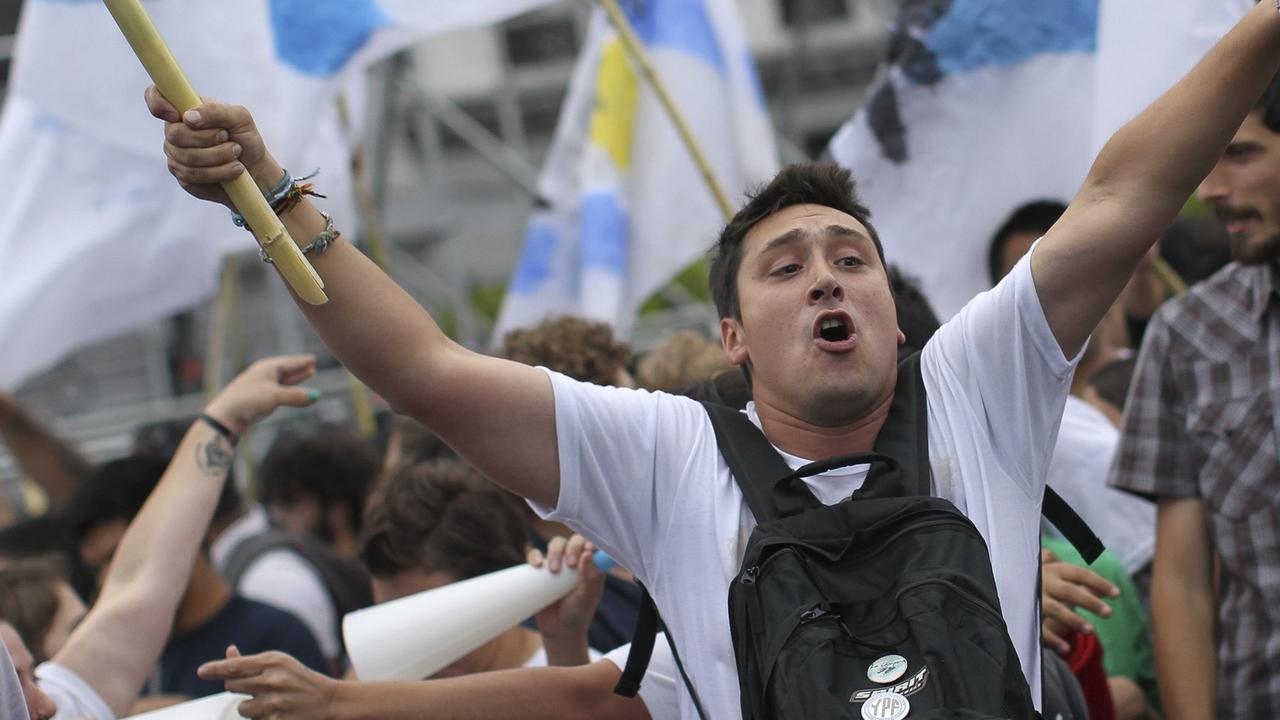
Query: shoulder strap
x: 1071, y: 525
x: 642, y: 651
x: 250, y: 549
x: 641, y: 647
x: 756, y: 465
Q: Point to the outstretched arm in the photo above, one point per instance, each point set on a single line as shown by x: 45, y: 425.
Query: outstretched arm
x: 497, y: 414
x: 116, y: 646
x: 1145, y: 174
x: 281, y: 687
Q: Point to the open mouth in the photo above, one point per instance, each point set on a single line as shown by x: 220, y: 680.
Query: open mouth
x: 834, y: 331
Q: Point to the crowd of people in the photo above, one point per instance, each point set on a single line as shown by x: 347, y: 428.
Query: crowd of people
x: 1087, y: 369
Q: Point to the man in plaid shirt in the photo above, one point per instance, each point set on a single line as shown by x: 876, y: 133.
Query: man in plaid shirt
x: 1200, y: 435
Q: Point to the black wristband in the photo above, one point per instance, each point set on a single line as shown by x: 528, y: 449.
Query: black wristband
x: 218, y: 427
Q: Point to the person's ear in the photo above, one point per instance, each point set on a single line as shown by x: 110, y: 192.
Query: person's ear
x: 734, y: 340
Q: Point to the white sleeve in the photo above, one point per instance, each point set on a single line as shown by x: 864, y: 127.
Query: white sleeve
x: 623, y: 454
x: 75, y: 699
x: 281, y: 578
x: 13, y: 706
x: 999, y: 361
x: 659, y: 687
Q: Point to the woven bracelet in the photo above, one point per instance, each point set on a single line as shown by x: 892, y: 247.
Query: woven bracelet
x: 318, y: 244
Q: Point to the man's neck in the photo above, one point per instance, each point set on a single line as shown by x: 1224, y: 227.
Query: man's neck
x: 515, y: 647
x: 206, y: 595
x: 810, y: 441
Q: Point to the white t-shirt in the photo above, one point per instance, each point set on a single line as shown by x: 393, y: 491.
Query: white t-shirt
x: 1081, y: 462
x: 281, y: 578
x: 658, y: 687
x: 640, y: 475
x: 75, y: 699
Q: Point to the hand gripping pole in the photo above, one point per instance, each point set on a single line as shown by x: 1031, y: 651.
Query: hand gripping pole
x: 248, y: 199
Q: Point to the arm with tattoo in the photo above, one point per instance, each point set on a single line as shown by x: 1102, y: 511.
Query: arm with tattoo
x: 116, y: 646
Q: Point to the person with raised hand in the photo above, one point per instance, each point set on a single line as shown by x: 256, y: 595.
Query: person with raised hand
x: 800, y: 285
x: 103, y: 665
x: 280, y: 686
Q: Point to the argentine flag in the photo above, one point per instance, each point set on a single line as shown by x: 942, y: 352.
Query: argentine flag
x: 982, y: 107
x: 96, y: 238
x: 986, y: 105
x: 625, y: 207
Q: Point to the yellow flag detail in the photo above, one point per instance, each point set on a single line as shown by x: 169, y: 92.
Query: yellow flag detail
x: 613, y: 118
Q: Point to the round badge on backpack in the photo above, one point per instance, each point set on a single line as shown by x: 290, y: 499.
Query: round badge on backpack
x: 885, y: 706
x: 887, y: 669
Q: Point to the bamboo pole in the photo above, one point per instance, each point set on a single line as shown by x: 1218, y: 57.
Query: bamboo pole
x: 160, y: 64
x: 1172, y: 281
x: 635, y: 49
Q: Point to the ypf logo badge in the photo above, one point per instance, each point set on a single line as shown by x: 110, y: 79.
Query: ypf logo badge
x: 885, y: 705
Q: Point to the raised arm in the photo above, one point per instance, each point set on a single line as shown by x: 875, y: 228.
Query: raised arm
x: 1145, y: 174
x: 43, y: 456
x: 497, y: 414
x: 116, y: 647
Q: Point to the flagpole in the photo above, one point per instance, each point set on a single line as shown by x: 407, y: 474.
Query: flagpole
x: 215, y: 354
x: 160, y: 64
x: 635, y: 49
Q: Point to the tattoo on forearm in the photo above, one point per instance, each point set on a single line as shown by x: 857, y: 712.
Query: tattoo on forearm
x: 214, y: 457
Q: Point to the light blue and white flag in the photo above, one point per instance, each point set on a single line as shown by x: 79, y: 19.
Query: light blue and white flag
x: 1145, y: 46
x: 986, y: 105
x: 95, y: 236
x: 626, y: 206
x: 983, y: 106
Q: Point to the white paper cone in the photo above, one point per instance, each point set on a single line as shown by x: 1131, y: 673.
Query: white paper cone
x: 416, y: 636
x: 214, y: 707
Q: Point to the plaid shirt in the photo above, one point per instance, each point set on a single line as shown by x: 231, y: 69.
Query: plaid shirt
x: 1200, y: 422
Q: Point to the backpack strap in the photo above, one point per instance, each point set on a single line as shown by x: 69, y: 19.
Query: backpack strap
x: 642, y: 642
x: 641, y: 647
x: 756, y: 466
x: 1071, y: 525
x: 250, y: 549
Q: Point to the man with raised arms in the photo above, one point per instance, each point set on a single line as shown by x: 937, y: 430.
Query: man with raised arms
x: 800, y: 286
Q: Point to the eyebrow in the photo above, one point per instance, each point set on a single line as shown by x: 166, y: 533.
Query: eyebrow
x: 798, y: 233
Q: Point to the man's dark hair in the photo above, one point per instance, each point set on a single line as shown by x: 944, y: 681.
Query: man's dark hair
x: 916, y: 318
x: 824, y: 184
x: 115, y: 491
x: 1269, y: 105
x: 29, y: 601
x: 1036, y: 217
x: 441, y: 517
x: 329, y: 463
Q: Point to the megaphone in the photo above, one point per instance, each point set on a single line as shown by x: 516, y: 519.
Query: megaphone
x: 214, y: 707
x: 416, y: 636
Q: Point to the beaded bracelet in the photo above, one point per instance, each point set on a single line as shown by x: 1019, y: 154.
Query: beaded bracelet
x: 318, y: 244
x: 285, y: 192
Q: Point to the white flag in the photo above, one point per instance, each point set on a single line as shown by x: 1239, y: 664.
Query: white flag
x: 95, y: 237
x: 985, y: 105
x: 626, y: 207
x: 1145, y: 46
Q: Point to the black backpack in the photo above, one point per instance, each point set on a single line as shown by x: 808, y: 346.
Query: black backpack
x: 346, y: 581
x: 879, y: 605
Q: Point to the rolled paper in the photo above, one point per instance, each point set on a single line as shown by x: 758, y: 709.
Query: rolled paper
x: 416, y: 636
x: 270, y: 233
x: 222, y: 706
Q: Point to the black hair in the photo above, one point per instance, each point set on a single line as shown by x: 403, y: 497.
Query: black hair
x: 330, y: 463
x: 1036, y: 217
x: 916, y: 318
x: 115, y: 491
x: 819, y: 183
x: 1269, y: 105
